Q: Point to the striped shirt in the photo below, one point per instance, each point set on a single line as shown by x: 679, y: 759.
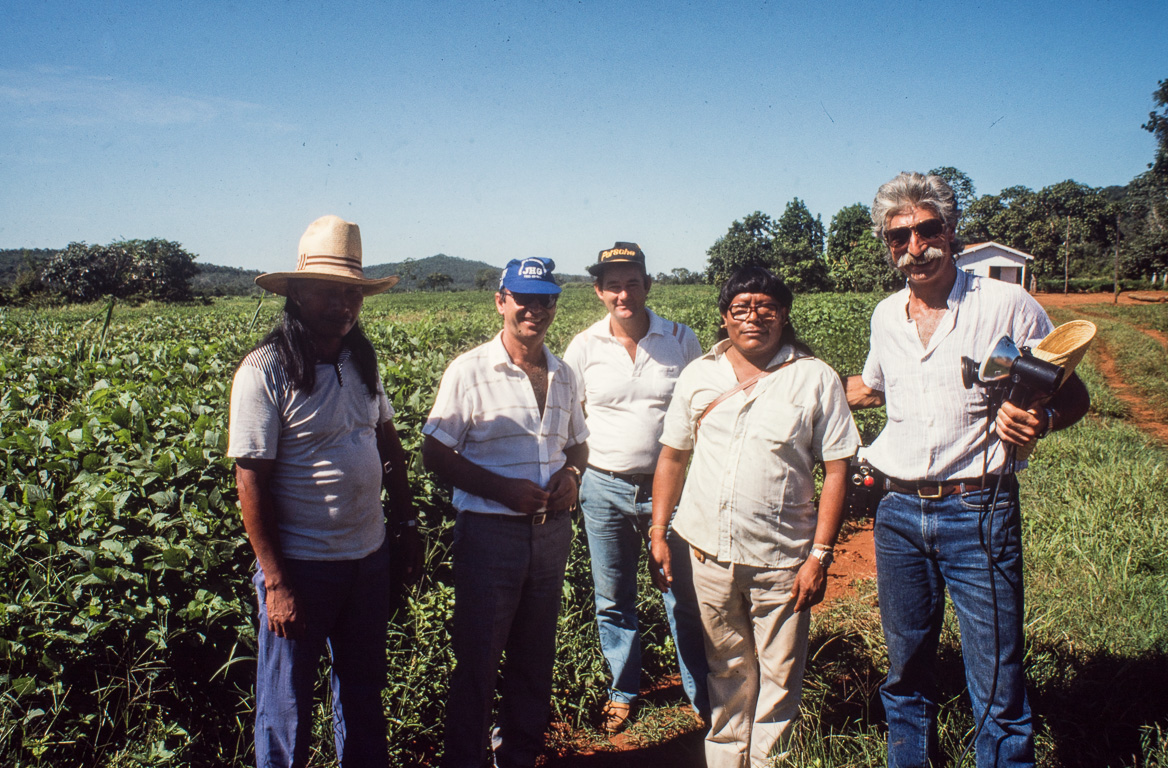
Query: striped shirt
x: 326, y: 480
x: 936, y: 427
x: 486, y: 410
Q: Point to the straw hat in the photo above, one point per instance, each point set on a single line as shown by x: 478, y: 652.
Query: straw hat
x: 1063, y: 346
x: 1066, y: 346
x: 330, y: 249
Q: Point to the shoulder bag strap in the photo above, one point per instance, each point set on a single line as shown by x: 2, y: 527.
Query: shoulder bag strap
x: 741, y: 386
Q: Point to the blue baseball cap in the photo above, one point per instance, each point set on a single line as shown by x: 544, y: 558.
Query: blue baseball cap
x: 533, y: 275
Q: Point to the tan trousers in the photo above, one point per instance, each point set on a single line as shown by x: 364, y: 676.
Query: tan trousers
x: 757, y: 649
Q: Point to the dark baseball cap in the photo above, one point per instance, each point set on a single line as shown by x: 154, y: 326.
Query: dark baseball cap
x: 621, y: 253
x: 531, y: 275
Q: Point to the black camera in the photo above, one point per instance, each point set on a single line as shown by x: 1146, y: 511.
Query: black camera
x: 865, y: 487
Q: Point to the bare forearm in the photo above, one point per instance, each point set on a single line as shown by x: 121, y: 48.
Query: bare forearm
x: 453, y: 468
x: 860, y: 395
x: 257, y: 507
x: 831, y: 502
x: 395, y: 463
x: 668, y: 480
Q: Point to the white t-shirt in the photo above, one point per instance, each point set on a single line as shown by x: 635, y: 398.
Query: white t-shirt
x: 936, y: 427
x: 625, y: 399
x: 486, y: 410
x: 327, y: 477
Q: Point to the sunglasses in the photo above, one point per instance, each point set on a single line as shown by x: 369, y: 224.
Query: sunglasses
x: 764, y: 312
x: 928, y: 229
x: 545, y: 300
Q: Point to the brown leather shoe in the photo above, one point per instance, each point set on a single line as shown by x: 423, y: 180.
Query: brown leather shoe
x: 616, y: 715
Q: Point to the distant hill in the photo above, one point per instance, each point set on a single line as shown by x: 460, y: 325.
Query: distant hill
x: 216, y: 280
x: 414, y: 272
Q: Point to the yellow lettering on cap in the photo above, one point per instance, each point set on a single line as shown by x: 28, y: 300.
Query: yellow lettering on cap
x: 614, y: 252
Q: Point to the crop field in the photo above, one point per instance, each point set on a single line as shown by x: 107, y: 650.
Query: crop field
x: 127, y: 634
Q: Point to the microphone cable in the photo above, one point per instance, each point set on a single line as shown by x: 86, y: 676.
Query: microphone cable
x: 985, y: 532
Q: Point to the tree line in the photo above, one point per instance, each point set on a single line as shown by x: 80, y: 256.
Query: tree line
x: 1072, y: 230
x: 125, y: 269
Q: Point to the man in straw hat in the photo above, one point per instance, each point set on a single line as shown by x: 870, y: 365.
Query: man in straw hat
x: 627, y: 364
x: 938, y: 527
x: 313, y: 438
x: 508, y: 433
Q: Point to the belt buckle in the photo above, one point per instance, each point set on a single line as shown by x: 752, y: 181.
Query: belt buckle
x: 539, y: 518
x: 940, y: 491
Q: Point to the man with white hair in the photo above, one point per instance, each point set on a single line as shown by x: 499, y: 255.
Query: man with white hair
x: 950, y: 519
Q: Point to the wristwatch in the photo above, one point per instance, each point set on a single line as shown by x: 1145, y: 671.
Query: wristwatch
x: 576, y: 473
x: 824, y: 555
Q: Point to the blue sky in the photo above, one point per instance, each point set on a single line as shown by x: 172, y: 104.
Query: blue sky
x: 497, y: 130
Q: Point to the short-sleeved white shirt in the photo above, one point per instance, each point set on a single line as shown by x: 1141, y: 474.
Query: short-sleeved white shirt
x: 625, y: 399
x: 327, y: 475
x: 486, y: 410
x: 749, y: 494
x: 936, y: 427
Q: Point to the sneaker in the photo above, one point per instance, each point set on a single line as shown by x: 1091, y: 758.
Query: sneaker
x: 616, y: 715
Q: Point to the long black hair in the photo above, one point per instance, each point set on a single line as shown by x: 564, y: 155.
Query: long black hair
x: 756, y: 279
x: 297, y: 351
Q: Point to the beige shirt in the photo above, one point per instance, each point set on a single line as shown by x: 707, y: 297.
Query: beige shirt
x: 749, y: 494
x: 624, y: 398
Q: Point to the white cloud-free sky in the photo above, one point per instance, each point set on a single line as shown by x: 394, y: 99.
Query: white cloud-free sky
x: 496, y: 130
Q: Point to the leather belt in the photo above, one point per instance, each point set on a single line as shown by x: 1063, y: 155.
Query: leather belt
x: 538, y: 518
x: 643, y: 479
x: 932, y: 489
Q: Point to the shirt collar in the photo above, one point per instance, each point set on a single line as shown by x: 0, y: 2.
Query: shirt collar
x: 497, y: 355
x: 785, y: 353
x: 962, y: 284
x: 657, y: 325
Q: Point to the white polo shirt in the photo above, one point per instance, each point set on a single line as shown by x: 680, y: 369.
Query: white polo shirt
x: 749, y: 494
x: 936, y: 427
x: 486, y: 410
x: 625, y: 399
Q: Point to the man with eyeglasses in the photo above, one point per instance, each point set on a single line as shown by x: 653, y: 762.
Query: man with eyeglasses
x: 508, y: 433
x: 950, y: 519
x: 627, y: 364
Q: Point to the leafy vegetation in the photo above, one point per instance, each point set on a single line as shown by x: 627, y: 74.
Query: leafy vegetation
x: 127, y: 636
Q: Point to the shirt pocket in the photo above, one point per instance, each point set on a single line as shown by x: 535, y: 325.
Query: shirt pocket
x: 779, y: 428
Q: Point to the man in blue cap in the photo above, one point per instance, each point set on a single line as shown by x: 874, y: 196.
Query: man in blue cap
x: 507, y: 431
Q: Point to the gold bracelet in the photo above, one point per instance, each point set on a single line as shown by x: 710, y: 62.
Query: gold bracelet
x: 658, y: 525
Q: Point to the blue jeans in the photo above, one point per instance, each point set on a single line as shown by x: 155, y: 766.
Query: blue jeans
x: 345, y: 605
x: 924, y: 547
x: 617, y: 519
x: 508, y: 578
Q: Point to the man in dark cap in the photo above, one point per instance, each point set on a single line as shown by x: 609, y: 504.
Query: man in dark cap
x: 627, y: 364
